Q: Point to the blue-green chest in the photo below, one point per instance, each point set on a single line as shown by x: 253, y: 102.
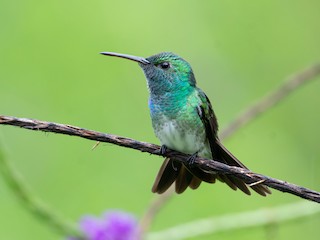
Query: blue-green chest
x: 177, y: 124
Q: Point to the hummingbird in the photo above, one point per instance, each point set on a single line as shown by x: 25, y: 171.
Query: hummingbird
x: 183, y: 120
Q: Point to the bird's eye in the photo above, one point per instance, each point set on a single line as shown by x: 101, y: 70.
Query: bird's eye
x: 164, y: 65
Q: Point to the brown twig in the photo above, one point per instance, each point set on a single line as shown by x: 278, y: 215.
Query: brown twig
x: 37, y: 207
x: 206, y: 164
x: 152, y: 210
x: 232, y: 222
x: 271, y: 99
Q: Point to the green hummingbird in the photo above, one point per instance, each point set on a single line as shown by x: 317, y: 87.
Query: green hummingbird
x: 183, y: 120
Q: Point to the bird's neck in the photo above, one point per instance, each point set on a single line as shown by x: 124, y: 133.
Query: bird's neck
x: 172, y: 95
x: 169, y: 103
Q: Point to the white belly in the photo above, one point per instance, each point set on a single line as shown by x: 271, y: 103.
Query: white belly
x: 180, y: 138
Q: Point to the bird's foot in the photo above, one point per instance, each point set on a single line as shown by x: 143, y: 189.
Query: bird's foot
x: 192, y: 159
x: 163, y: 149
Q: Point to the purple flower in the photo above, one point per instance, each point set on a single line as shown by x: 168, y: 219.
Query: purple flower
x: 114, y: 225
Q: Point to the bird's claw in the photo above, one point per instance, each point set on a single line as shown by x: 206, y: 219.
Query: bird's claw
x: 192, y: 159
x: 163, y: 149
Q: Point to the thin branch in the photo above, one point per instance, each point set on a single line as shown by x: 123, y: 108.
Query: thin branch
x: 152, y: 210
x: 35, y: 205
x: 203, y: 163
x: 271, y: 99
x: 231, y: 222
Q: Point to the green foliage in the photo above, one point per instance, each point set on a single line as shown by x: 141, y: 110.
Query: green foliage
x: 239, y: 50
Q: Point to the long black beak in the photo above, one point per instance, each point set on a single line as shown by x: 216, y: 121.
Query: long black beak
x: 126, y: 56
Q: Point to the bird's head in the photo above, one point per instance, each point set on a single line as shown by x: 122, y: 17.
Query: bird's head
x: 165, y: 72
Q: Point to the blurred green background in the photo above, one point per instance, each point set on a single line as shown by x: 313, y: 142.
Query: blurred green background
x: 50, y: 69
